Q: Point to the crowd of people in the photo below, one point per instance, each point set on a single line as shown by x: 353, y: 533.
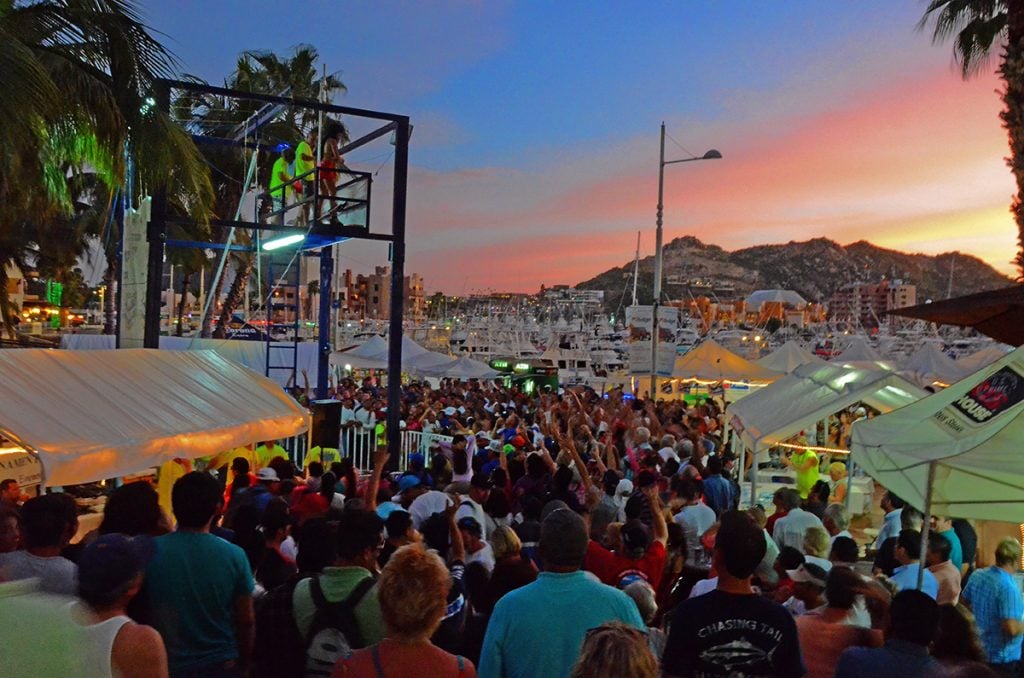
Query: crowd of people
x: 569, y: 534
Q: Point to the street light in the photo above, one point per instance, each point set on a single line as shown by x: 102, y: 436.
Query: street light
x: 710, y: 155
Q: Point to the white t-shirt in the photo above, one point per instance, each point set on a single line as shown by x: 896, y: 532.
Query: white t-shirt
x: 470, y: 508
x: 704, y: 586
x: 56, y: 575
x: 695, y: 520
x: 426, y: 505
x: 667, y: 453
x: 790, y: 530
x: 484, y: 556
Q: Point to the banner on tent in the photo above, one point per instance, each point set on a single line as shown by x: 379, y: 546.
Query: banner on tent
x: 640, y: 359
x: 996, y: 394
x: 640, y: 320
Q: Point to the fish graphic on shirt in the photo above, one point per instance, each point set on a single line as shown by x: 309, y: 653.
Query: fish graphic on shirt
x: 736, y: 653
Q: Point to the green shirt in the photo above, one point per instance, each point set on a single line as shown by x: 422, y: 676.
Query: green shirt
x: 325, y: 455
x: 301, y: 166
x: 805, y: 479
x: 337, y: 583
x: 267, y: 455
x: 278, y: 189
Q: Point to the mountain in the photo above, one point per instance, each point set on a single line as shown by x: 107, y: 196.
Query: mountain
x: 815, y: 268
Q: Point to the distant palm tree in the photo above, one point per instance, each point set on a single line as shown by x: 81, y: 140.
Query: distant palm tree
x: 77, y: 83
x: 975, y: 27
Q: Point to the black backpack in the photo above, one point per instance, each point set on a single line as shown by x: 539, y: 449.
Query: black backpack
x: 334, y: 633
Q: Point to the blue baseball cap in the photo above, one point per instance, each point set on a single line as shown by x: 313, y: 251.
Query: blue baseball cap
x: 110, y: 562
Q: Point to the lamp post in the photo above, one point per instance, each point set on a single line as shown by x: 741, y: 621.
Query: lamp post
x: 710, y: 155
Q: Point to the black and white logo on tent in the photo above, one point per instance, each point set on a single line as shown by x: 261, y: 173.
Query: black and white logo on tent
x: 998, y: 393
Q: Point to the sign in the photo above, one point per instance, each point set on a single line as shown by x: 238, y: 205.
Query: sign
x: 20, y: 465
x: 640, y: 320
x: 640, y: 358
x: 244, y: 331
x: 998, y: 393
x: 131, y: 316
x: 54, y: 292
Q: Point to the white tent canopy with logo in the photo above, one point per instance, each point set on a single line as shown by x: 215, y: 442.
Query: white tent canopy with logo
x: 957, y: 452
x: 788, y: 357
x: 91, y: 415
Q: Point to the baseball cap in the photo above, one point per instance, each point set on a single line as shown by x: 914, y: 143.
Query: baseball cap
x: 509, y: 449
x: 416, y: 458
x: 563, y: 538
x: 624, y: 488
x: 635, y: 537
x: 110, y: 562
x: 481, y: 481
x: 471, y: 525
x: 808, y: 573
x: 267, y: 474
x: 405, y: 483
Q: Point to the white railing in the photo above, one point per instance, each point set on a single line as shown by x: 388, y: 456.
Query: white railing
x: 359, y: 445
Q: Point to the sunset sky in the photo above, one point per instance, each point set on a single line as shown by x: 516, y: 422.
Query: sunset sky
x: 535, y: 150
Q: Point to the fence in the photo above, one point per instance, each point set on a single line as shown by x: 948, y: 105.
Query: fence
x: 359, y: 446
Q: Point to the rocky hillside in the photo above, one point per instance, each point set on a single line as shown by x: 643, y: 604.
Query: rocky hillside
x: 815, y: 269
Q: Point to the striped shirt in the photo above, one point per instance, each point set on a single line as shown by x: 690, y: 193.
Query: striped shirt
x: 993, y: 596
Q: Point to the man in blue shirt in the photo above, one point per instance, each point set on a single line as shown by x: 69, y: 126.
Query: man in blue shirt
x: 944, y: 527
x: 908, y: 555
x: 537, y: 631
x: 719, y: 493
x: 198, y: 587
x: 893, y: 507
x: 995, y: 599
x: 913, y: 623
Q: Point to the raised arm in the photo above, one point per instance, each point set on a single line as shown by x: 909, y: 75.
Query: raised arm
x: 569, y: 445
x: 380, y: 460
x: 659, y: 528
x: 457, y: 550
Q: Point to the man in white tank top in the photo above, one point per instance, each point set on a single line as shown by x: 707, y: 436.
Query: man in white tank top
x: 110, y: 574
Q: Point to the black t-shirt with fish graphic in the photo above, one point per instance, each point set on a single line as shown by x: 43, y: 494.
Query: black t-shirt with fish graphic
x: 734, y: 635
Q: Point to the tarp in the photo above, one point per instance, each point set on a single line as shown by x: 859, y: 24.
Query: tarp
x: 983, y: 357
x: 996, y: 313
x: 92, y: 415
x: 788, y: 357
x: 972, y: 432
x: 462, y: 368
x: 373, y: 355
x: 810, y: 394
x: 857, y: 350
x: 928, y: 364
x: 710, y: 361
x: 251, y: 354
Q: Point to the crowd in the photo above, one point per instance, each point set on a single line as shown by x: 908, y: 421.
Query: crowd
x: 556, y: 535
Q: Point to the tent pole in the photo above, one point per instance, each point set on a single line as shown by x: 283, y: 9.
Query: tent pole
x: 927, y: 524
x: 849, y: 481
x: 740, y: 453
x: 753, y: 479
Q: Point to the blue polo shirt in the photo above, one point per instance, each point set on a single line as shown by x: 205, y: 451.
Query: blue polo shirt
x: 537, y: 631
x: 993, y: 596
x: 905, y: 577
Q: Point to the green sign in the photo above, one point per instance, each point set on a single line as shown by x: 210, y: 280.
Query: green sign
x: 54, y: 292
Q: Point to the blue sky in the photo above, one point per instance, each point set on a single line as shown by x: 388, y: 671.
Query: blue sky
x: 525, y: 106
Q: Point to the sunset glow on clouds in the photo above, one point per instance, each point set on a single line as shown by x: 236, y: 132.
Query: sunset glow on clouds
x: 534, y: 155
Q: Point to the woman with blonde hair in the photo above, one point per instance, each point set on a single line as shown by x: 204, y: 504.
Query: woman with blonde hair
x: 511, y: 570
x: 413, y: 591
x: 840, y: 482
x: 615, y: 649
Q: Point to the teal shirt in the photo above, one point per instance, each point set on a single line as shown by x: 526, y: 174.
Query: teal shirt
x: 537, y: 631
x: 191, y: 586
x: 956, y: 553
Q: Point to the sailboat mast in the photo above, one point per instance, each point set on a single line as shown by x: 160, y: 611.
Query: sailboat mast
x: 636, y: 266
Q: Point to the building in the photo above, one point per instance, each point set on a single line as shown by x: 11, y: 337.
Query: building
x: 415, y: 300
x: 359, y: 296
x: 866, y: 304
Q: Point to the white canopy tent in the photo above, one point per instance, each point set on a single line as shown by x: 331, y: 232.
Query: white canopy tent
x: 788, y: 357
x: 928, y: 365
x: 857, y: 350
x: 90, y: 415
x: 710, y: 361
x: 462, y: 368
x: 983, y: 357
x: 373, y: 354
x: 812, y: 393
x: 957, y: 452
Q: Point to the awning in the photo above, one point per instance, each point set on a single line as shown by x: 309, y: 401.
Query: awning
x: 965, y: 441
x: 710, y: 361
x: 997, y: 313
x: 91, y: 415
x: 788, y: 357
x: 373, y: 354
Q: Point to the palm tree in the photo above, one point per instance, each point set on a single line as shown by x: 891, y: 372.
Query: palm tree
x: 78, y: 80
x: 975, y: 26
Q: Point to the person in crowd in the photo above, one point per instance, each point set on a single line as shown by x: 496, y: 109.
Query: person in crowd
x: 844, y: 551
x: 817, y: 499
x: 957, y: 646
x: 826, y: 632
x: 790, y: 530
x: 840, y: 482
x: 511, y: 569
x: 198, y: 588
x: 48, y: 523
x: 607, y: 509
x: 968, y: 543
x: 836, y: 520
x: 412, y: 590
x: 110, y: 572
x: 10, y: 529
x: 765, y: 573
x: 913, y: 623
x: 938, y: 561
x: 239, y: 479
x: 572, y: 604
x: 273, y: 566
x: 478, y: 550
x: 280, y: 185
x: 885, y: 559
x: 134, y: 509
x: 891, y: 525
x: 782, y: 500
x: 719, y: 493
x: 643, y: 551
x: 646, y: 603
x: 269, y: 450
x: 995, y: 599
x: 615, y: 649
x: 944, y: 527
x: 804, y: 463
x: 704, y: 638
x: 696, y: 518
x: 528, y: 530
x: 400, y: 532
x: 473, y: 505
x: 808, y: 589
x: 908, y: 555
x: 816, y: 547
x: 309, y: 503
x: 10, y: 493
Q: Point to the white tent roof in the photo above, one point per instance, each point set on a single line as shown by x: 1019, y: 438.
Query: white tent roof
x: 858, y: 350
x: 813, y: 392
x: 928, y: 364
x: 373, y: 354
x: 788, y: 357
x: 759, y: 297
x: 710, y: 361
x: 983, y: 357
x: 972, y: 433
x: 91, y: 415
x: 462, y: 368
